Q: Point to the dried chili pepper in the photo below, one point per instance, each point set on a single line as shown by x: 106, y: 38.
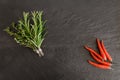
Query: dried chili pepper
x: 99, y: 60
x: 101, y: 50
x: 99, y: 65
x: 105, y: 51
x: 94, y: 52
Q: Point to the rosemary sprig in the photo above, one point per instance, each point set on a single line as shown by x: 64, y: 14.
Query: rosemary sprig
x: 29, y: 31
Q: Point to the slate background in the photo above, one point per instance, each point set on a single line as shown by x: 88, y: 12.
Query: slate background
x: 71, y: 24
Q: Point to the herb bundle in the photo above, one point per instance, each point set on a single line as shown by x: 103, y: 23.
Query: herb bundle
x: 29, y: 31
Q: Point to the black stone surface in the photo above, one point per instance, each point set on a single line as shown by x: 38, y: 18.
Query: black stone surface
x: 71, y: 24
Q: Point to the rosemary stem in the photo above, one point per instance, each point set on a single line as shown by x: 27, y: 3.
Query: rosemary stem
x: 39, y: 52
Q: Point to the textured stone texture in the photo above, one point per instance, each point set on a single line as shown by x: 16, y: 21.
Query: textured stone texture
x: 71, y: 24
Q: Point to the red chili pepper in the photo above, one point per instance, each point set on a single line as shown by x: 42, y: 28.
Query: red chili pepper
x: 99, y: 60
x: 99, y: 65
x: 101, y: 50
x: 105, y: 51
x: 94, y: 52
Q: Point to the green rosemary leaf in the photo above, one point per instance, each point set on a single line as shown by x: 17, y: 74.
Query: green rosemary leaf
x: 29, y: 31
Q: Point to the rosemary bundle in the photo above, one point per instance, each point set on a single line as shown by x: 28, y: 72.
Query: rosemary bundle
x: 29, y: 31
